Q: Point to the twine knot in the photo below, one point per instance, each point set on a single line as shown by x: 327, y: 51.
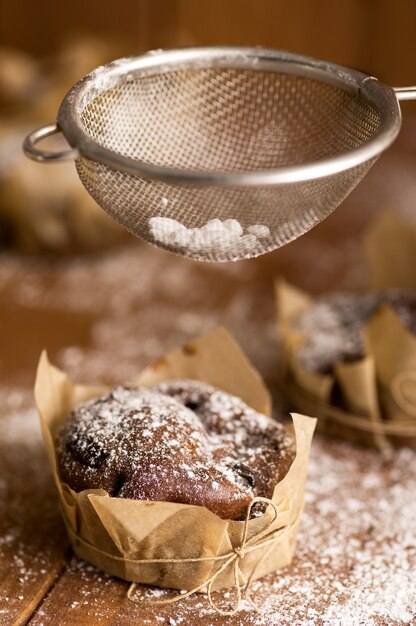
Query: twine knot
x: 265, y: 538
x: 240, y: 552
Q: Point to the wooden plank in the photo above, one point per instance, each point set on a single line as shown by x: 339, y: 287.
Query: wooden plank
x: 33, y: 544
x: 83, y: 595
x: 324, y: 29
x: 391, y: 42
x: 37, y: 28
x: 159, y: 27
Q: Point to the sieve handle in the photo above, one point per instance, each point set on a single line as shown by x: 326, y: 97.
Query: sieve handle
x: 405, y: 93
x: 31, y: 151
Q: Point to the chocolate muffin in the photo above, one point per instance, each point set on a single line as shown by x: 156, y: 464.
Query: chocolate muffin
x: 334, y: 325
x: 180, y: 441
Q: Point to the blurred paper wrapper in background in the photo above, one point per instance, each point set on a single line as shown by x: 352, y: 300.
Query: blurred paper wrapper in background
x: 391, y: 251
x: 377, y: 401
x: 45, y: 209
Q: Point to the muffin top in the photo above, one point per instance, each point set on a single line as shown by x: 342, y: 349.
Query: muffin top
x: 334, y: 325
x: 180, y: 441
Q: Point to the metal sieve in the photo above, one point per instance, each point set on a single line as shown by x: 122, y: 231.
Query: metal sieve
x: 226, y: 153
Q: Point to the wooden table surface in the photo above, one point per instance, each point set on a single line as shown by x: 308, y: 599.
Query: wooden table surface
x: 102, y: 319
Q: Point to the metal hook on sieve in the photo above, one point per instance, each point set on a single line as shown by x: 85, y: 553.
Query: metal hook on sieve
x: 46, y: 156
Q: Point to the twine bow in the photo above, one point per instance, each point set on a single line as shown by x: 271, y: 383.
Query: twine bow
x: 265, y: 538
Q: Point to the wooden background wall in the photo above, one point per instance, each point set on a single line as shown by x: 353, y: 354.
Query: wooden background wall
x: 378, y: 36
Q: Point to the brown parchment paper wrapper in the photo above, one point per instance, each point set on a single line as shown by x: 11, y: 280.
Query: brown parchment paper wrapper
x: 113, y: 533
x: 391, y: 251
x: 371, y: 400
x: 393, y: 349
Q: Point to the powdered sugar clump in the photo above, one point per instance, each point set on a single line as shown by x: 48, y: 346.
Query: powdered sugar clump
x: 215, y: 236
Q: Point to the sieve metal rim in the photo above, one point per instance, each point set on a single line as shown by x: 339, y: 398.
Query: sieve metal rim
x: 380, y: 96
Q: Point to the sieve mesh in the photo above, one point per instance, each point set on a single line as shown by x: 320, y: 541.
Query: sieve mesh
x: 223, y: 119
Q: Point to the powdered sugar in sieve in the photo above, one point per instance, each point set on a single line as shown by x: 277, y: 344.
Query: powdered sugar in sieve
x: 215, y: 236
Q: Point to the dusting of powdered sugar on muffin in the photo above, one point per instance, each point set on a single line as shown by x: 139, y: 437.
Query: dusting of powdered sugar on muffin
x: 181, y: 441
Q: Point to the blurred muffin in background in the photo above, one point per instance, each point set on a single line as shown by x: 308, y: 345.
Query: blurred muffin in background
x: 44, y: 208
x: 76, y: 59
x: 20, y: 79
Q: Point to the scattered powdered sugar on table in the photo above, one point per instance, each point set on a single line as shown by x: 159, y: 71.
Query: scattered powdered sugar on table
x: 356, y: 558
x: 215, y: 236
